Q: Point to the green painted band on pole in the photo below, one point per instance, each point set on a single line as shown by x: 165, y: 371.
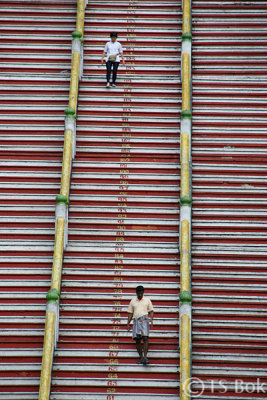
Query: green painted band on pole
x: 77, y: 35
x: 186, y: 114
x: 70, y: 112
x: 185, y: 297
x: 187, y: 36
x: 61, y: 198
x: 52, y: 295
x: 185, y: 201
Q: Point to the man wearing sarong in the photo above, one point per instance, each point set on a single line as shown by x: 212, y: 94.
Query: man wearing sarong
x: 138, y: 310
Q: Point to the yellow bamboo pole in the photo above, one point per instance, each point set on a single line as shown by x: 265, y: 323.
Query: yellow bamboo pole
x: 66, y: 163
x: 58, y: 254
x: 54, y: 292
x: 184, y: 159
x: 80, y: 16
x: 185, y: 358
x: 186, y: 82
x: 184, y: 257
x: 185, y: 209
x: 186, y: 17
x: 74, y: 80
x: 48, y: 348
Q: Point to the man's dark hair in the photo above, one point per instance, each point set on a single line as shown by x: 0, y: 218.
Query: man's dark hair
x: 140, y: 288
x: 113, y: 34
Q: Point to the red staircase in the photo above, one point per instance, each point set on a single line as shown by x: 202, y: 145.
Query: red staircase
x: 124, y: 201
x: 34, y: 82
x: 123, y: 214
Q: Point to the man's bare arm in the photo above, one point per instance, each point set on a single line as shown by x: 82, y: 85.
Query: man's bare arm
x: 151, y: 317
x: 130, y: 316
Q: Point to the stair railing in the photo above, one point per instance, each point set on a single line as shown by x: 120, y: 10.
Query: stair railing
x: 185, y: 309
x: 62, y: 202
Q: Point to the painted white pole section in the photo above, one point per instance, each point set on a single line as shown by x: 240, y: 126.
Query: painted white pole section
x: 62, y: 212
x: 70, y: 124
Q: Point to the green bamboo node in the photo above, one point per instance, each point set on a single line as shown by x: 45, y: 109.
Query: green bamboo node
x: 53, y: 295
x: 61, y: 198
x: 186, y: 114
x: 185, y: 297
x: 185, y: 201
x: 77, y: 35
x: 70, y: 112
x: 187, y: 36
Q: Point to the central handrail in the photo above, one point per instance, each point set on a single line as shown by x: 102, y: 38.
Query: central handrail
x: 62, y: 202
x: 185, y: 311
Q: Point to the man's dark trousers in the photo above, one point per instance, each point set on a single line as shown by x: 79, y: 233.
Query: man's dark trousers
x: 115, y: 67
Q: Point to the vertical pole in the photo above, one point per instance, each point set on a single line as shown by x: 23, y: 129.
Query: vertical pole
x: 61, y: 212
x: 185, y: 311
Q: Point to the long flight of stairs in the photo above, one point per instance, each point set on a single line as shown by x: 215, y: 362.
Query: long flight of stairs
x: 229, y: 198
x: 124, y: 209
x: 124, y: 201
x: 34, y: 78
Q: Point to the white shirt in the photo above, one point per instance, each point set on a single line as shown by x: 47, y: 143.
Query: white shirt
x: 112, y: 49
x: 140, y: 307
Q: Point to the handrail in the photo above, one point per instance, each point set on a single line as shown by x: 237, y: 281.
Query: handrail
x: 185, y: 310
x: 62, y: 202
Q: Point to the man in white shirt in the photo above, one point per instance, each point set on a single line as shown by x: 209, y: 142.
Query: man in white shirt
x: 111, y: 54
x: 138, y: 309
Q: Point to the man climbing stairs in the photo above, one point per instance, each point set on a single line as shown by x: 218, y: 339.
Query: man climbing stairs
x: 123, y: 213
x: 123, y: 227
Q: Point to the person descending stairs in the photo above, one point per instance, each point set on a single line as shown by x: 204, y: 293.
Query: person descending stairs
x: 124, y: 209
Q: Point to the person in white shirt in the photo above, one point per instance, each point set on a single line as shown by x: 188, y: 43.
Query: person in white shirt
x: 111, y: 54
x: 138, y: 309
